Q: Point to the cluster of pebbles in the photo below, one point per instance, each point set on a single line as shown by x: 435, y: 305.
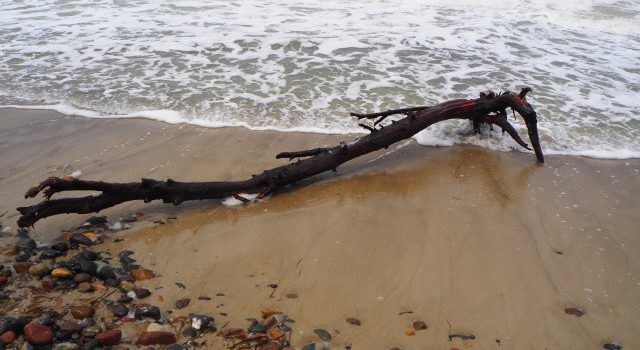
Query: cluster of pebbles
x: 67, y: 295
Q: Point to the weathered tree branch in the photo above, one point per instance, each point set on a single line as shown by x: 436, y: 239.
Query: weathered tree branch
x: 489, y: 108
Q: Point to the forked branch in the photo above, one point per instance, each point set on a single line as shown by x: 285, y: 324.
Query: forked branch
x: 489, y: 108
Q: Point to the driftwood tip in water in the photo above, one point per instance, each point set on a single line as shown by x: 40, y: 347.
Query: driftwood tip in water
x: 490, y: 108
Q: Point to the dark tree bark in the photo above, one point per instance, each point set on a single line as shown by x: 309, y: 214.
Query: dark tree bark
x: 489, y: 108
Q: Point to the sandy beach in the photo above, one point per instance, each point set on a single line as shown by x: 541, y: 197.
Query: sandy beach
x: 469, y: 240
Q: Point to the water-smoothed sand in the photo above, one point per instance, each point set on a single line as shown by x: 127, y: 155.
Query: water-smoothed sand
x: 487, y: 243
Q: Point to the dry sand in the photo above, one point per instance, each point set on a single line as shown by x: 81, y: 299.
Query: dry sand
x: 487, y: 243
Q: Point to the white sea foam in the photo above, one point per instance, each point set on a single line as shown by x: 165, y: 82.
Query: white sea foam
x: 270, y: 65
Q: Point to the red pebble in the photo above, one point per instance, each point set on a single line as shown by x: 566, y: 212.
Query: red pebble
x: 38, y: 334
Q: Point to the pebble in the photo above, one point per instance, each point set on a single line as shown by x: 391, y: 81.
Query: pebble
x: 154, y: 327
x: 574, y: 311
x: 353, y: 321
x: 292, y: 295
x: 118, y: 310
x: 82, y: 277
x: 62, y: 273
x: 25, y: 244
x: 87, y: 266
x: 127, y: 286
x: 91, y: 331
x: 275, y: 333
x: 272, y: 345
x: 48, y: 318
x: 141, y: 293
x: 612, y: 346
x: 322, y: 334
x: 50, y: 254
x: 60, y: 246
x: 7, y: 337
x: 156, y: 338
x: 268, y: 312
x: 125, y: 299
x: 257, y: 328
x: 70, y: 327
x: 419, y: 325
x: 65, y: 346
x: 77, y: 239
x: 38, y: 334
x: 48, y: 283
x: 5, y: 272
x: 22, y: 267
x: 142, y: 274
x: 199, y: 322
x: 182, y: 303
x: 104, y: 271
x: 38, y: 270
x: 109, y: 338
x: 87, y: 322
x: 22, y: 256
x: 3, y: 281
x: 96, y: 220
x: 85, y: 287
x: 317, y: 346
x: 233, y: 333
x: 80, y: 312
x: 410, y: 332
x: 148, y: 311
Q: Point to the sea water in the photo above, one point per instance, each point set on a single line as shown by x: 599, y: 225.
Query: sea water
x: 304, y: 65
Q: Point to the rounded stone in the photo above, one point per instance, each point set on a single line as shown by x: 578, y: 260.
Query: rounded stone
x: 156, y: 338
x: 8, y: 337
x: 141, y: 293
x: 119, y: 310
x: 48, y: 283
x: 79, y: 239
x: 38, y: 334
x: 353, y: 321
x: 147, y: 311
x: 62, y: 273
x: 80, y: 312
x: 25, y: 244
x: 39, y: 269
x: 419, y: 325
x: 82, y: 277
x: 85, y: 287
x: 142, y: 274
x: 22, y: 267
x: 109, y: 338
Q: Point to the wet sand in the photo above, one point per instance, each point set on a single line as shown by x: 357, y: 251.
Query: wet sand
x: 471, y: 241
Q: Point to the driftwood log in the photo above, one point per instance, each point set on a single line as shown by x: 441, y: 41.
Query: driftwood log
x: 489, y: 108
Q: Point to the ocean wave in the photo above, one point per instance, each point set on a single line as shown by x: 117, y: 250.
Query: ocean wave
x: 444, y: 134
x: 270, y: 65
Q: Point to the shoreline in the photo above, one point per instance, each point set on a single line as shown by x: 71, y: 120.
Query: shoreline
x: 488, y: 242
x: 172, y: 117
